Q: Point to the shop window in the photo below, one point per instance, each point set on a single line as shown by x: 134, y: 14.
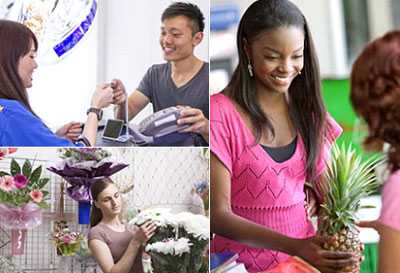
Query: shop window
x: 357, y: 29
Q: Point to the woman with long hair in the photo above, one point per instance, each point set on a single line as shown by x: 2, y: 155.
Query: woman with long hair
x: 20, y: 125
x: 270, y: 133
x: 116, y: 249
x: 375, y: 94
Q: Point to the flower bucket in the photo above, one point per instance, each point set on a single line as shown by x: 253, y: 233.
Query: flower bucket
x: 84, y: 213
x: 162, y: 263
x: 18, y: 241
x: 179, y: 241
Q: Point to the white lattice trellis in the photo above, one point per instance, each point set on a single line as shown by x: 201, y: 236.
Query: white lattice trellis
x: 160, y: 177
x: 124, y: 178
x: 165, y: 177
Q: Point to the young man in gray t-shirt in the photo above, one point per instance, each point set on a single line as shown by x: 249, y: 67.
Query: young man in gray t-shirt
x: 182, y: 81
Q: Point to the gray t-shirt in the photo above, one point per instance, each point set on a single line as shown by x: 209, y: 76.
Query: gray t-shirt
x: 159, y: 87
x: 117, y: 242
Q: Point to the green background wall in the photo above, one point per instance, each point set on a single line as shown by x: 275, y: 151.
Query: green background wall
x: 336, y: 95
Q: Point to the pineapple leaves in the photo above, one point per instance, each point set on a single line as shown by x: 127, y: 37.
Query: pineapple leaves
x: 348, y: 179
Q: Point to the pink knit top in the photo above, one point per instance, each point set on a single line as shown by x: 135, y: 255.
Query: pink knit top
x: 262, y: 190
x: 390, y: 215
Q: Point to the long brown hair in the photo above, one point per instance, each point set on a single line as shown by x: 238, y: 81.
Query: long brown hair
x: 98, y: 187
x: 375, y: 93
x: 306, y: 107
x: 15, y: 42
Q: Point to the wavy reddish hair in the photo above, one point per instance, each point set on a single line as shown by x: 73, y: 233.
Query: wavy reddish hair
x: 375, y: 93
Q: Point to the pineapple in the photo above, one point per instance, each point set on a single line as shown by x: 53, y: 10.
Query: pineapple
x: 348, y: 179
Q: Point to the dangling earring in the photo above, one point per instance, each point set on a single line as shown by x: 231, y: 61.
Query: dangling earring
x: 299, y: 72
x: 250, y: 68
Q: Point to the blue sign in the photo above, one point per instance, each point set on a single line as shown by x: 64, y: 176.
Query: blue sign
x: 71, y: 40
x: 224, y: 17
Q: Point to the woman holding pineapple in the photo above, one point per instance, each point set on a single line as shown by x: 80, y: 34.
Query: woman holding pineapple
x: 269, y: 134
x: 375, y: 94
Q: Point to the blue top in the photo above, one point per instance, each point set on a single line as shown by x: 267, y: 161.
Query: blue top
x: 19, y: 127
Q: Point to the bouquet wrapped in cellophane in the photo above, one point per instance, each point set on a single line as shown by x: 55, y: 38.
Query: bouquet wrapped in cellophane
x: 81, y: 167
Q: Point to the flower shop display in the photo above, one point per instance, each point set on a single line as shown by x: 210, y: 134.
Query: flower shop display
x: 81, y: 167
x: 68, y: 243
x: 21, y: 200
x: 179, y: 242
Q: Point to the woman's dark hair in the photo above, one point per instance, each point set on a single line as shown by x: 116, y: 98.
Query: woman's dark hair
x: 306, y: 107
x: 15, y: 42
x: 375, y: 93
x: 98, y: 187
x: 191, y: 11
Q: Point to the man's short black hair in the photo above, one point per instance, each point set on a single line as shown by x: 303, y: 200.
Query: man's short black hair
x: 189, y: 10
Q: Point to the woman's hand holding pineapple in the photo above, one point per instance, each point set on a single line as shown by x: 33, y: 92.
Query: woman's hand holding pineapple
x: 346, y: 181
x: 311, y: 250
x: 320, y: 256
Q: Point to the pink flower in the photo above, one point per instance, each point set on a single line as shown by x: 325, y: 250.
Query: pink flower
x: 3, y: 152
x: 6, y: 151
x: 36, y: 196
x: 7, y: 183
x: 67, y: 239
x: 20, y: 181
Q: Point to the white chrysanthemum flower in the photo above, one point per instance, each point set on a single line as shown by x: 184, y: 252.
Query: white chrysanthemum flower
x: 171, y: 246
x: 161, y: 247
x: 195, y: 224
x: 181, y: 246
x: 160, y: 216
x: 86, y: 165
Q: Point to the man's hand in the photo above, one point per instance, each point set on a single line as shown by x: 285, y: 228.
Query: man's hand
x: 196, y: 120
x: 119, y: 92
